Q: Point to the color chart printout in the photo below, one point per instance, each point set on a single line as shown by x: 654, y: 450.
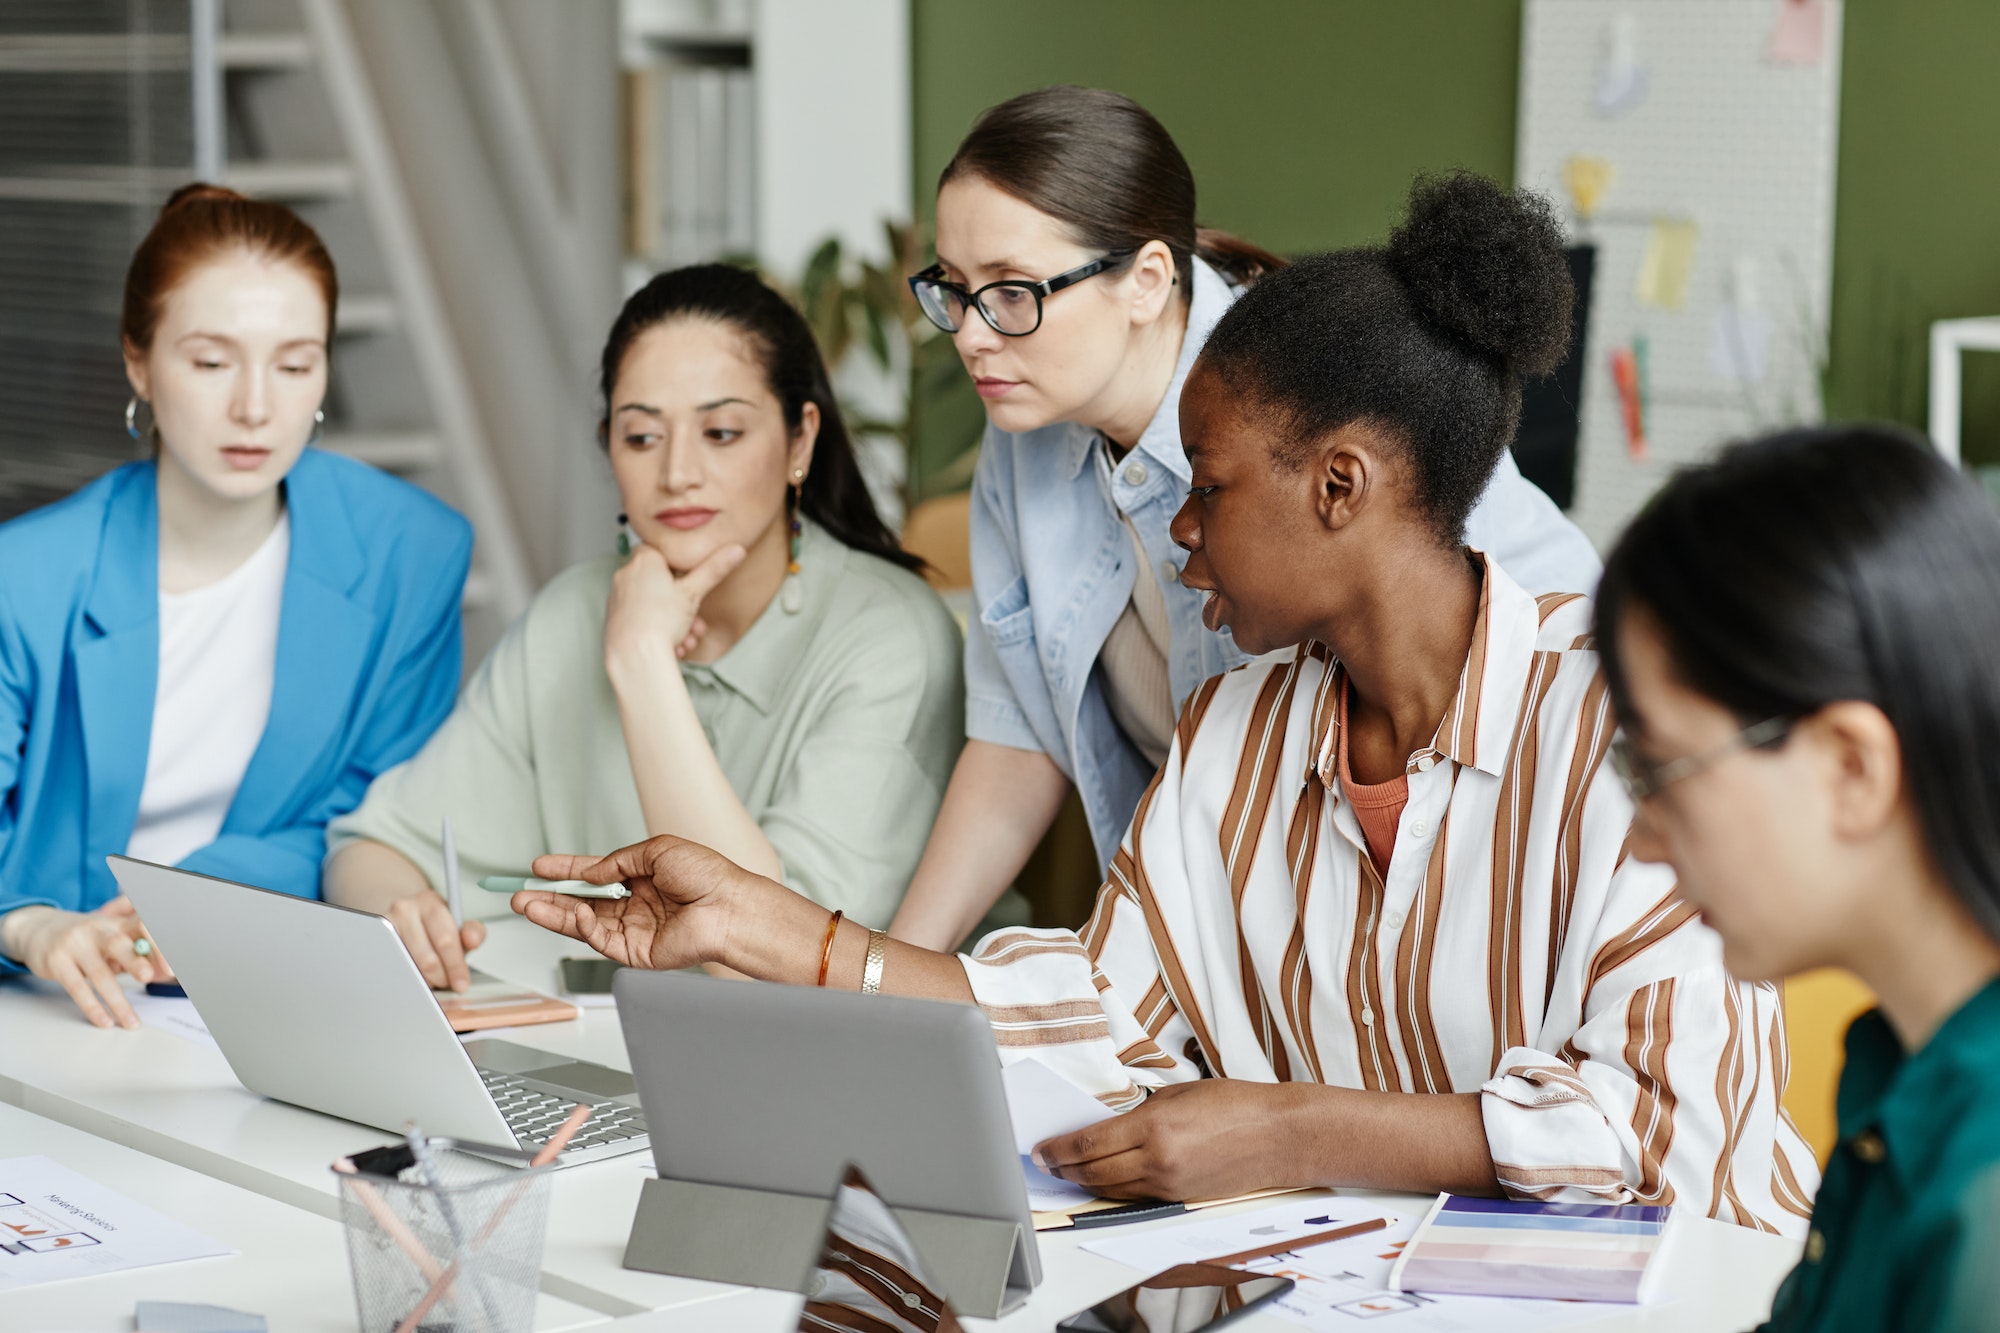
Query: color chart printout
x: 56, y: 1224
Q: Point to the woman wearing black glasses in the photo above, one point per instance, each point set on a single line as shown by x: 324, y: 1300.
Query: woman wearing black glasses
x: 1799, y: 642
x: 1079, y: 290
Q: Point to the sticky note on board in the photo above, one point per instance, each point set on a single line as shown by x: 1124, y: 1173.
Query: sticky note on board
x: 1799, y: 35
x: 1669, y: 259
x: 1589, y: 180
x: 1739, y: 345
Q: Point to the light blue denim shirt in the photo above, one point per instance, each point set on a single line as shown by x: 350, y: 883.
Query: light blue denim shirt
x: 1052, y: 571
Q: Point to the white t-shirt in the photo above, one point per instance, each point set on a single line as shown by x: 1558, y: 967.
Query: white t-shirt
x: 218, y: 659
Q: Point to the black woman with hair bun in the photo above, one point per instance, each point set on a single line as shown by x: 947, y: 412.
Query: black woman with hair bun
x: 1800, y: 642
x: 1373, y: 923
x: 759, y: 666
x: 1078, y: 291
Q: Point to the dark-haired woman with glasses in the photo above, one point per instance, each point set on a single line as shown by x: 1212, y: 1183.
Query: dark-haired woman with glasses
x: 1800, y: 644
x: 1079, y: 291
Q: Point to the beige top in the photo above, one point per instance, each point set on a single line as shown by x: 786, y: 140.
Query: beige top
x: 1134, y: 657
x: 837, y: 726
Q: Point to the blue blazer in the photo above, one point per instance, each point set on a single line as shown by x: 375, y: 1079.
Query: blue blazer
x: 369, y: 647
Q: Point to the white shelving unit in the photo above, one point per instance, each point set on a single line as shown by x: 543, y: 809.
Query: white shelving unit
x: 1950, y: 340
x: 827, y: 139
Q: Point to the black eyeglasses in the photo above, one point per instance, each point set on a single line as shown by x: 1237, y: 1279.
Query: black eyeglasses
x: 1644, y: 779
x: 1012, y: 307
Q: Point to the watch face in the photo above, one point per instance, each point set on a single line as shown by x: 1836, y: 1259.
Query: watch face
x: 869, y: 1278
x: 1180, y: 1300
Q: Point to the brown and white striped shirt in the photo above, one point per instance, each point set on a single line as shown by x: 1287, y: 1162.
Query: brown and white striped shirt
x: 1513, y: 948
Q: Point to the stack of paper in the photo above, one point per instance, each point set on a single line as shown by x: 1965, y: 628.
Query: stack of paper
x: 1559, y: 1251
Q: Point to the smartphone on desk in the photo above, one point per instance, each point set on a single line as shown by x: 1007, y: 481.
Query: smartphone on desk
x: 588, y: 976
x: 1180, y: 1300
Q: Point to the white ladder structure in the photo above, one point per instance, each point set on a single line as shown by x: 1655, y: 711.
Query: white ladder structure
x: 397, y: 354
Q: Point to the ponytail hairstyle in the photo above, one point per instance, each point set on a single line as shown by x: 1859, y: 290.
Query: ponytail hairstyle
x: 833, y: 494
x: 1427, y: 338
x: 1815, y: 566
x: 201, y: 222
x: 1103, y: 166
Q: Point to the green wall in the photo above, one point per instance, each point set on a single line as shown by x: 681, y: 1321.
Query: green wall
x: 1304, y: 120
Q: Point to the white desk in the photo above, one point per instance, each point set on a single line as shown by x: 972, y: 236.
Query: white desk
x: 292, y: 1268
x: 178, y: 1101
x: 1724, y: 1277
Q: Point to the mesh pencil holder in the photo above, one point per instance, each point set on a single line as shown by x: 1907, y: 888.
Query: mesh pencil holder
x: 464, y: 1256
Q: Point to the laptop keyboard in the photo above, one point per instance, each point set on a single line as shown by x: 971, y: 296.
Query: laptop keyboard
x: 533, y: 1115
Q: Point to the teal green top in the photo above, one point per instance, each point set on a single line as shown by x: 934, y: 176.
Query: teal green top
x: 837, y: 725
x: 1904, y: 1229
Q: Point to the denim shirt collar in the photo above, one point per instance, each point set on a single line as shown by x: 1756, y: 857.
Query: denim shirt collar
x: 1161, y: 440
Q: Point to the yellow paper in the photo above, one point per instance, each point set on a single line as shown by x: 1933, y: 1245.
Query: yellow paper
x: 1588, y: 179
x: 1669, y: 259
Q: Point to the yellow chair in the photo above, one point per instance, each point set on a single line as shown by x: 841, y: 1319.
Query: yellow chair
x: 1060, y: 878
x: 1818, y: 1007
x: 939, y: 530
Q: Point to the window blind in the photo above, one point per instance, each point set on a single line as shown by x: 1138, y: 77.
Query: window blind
x: 96, y: 128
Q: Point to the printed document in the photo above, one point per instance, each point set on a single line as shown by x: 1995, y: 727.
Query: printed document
x: 56, y: 1224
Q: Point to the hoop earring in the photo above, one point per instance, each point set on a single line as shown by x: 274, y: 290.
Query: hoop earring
x: 793, y: 595
x: 132, y: 420
x: 319, y: 428
x: 624, y: 537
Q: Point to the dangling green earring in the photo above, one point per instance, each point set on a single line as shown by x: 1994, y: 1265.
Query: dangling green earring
x: 793, y: 595
x: 624, y: 537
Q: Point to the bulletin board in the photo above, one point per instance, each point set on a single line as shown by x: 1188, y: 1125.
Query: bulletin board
x: 1691, y: 143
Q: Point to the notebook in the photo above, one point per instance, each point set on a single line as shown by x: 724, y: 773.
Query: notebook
x: 492, y: 1003
x: 1549, y: 1251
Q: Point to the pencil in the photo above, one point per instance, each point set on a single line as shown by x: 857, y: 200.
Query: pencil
x: 452, y: 896
x: 1301, y: 1242
x: 441, y: 1282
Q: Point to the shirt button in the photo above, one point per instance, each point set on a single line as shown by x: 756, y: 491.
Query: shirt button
x: 1426, y: 762
x: 1393, y: 921
x: 1815, y: 1245
x: 1869, y: 1148
x: 1135, y: 473
x: 912, y: 1300
x: 1418, y: 828
x: 1368, y: 1018
x: 1170, y: 573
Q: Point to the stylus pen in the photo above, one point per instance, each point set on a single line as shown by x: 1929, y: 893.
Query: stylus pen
x: 451, y: 894
x: 575, y: 888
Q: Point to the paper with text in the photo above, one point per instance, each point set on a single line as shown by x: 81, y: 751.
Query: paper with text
x: 1343, y: 1280
x: 56, y: 1224
x: 171, y: 1013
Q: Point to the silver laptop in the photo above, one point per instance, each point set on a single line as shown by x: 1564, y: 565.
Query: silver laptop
x: 322, y: 1007
x: 783, y: 1088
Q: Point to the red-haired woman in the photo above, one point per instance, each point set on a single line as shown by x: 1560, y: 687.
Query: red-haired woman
x: 206, y: 655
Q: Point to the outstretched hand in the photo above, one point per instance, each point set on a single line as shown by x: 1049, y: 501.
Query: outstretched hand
x: 684, y: 897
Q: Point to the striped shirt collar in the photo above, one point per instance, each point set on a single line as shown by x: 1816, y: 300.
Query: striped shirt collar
x: 1478, y: 728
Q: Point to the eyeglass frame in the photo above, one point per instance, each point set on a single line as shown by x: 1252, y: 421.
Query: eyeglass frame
x: 1645, y: 779
x: 1047, y: 287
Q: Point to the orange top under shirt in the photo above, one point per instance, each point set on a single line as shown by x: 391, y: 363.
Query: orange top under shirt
x: 1378, y: 806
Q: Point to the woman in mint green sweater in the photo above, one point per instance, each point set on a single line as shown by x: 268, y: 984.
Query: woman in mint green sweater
x: 765, y: 672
